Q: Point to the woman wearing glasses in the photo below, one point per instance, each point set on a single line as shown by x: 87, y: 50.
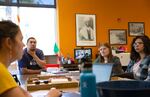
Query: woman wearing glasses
x: 139, y: 64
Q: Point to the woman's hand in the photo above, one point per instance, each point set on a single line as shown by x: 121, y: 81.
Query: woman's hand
x: 53, y: 93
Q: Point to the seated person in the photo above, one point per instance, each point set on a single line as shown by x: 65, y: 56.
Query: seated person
x: 139, y: 64
x: 33, y: 60
x: 105, y: 56
x: 11, y: 49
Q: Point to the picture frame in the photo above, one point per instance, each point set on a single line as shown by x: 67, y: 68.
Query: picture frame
x: 136, y: 28
x: 85, y: 30
x: 117, y: 36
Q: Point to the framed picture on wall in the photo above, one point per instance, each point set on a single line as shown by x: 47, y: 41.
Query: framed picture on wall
x: 85, y: 30
x: 136, y: 28
x: 117, y: 36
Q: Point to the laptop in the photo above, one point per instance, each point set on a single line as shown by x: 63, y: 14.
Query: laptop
x: 102, y: 71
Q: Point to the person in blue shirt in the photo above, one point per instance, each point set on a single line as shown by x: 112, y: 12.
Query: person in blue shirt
x: 33, y: 60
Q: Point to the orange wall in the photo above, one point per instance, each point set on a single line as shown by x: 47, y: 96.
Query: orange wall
x: 107, y: 12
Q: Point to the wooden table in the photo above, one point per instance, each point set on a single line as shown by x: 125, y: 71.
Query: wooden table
x: 39, y: 93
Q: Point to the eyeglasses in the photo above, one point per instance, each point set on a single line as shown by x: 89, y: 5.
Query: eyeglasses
x: 137, y: 43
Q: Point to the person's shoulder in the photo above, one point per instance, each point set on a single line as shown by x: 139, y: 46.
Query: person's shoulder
x: 38, y: 50
x: 97, y: 60
x: 115, y: 57
x: 98, y: 57
x: 148, y: 56
x: 24, y: 51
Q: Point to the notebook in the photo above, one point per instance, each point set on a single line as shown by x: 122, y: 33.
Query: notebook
x: 102, y: 71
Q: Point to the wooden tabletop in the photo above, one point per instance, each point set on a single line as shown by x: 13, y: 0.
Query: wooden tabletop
x: 23, y: 81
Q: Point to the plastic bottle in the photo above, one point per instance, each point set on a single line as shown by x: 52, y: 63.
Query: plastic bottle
x: 87, y: 81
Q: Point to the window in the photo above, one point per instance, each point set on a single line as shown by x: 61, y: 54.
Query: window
x: 29, y: 3
x: 45, y: 2
x: 37, y: 22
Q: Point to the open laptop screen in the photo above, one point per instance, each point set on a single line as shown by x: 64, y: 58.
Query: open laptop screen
x: 102, y: 71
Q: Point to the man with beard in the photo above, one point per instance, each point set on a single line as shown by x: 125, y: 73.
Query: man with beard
x: 33, y: 60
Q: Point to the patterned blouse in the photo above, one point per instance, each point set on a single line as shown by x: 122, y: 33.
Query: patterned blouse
x: 143, y: 71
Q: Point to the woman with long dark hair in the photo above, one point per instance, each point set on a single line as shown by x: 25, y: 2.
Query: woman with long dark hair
x: 139, y: 64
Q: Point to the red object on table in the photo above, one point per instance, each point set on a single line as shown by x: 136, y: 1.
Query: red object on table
x: 52, y: 65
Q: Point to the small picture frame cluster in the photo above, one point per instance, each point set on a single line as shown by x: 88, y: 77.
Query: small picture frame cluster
x: 136, y: 28
x: 119, y: 36
x: 85, y: 30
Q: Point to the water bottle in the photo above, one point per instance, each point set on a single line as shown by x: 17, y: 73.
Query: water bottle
x: 87, y: 81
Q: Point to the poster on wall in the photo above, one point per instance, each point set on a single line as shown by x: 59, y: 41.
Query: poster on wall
x: 117, y: 36
x: 136, y: 28
x: 85, y: 30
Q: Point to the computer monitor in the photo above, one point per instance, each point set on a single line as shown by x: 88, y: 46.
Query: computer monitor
x: 80, y: 53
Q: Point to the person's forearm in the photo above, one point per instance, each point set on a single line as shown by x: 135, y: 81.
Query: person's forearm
x: 40, y: 62
x: 26, y: 93
x: 16, y: 92
x: 30, y: 71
